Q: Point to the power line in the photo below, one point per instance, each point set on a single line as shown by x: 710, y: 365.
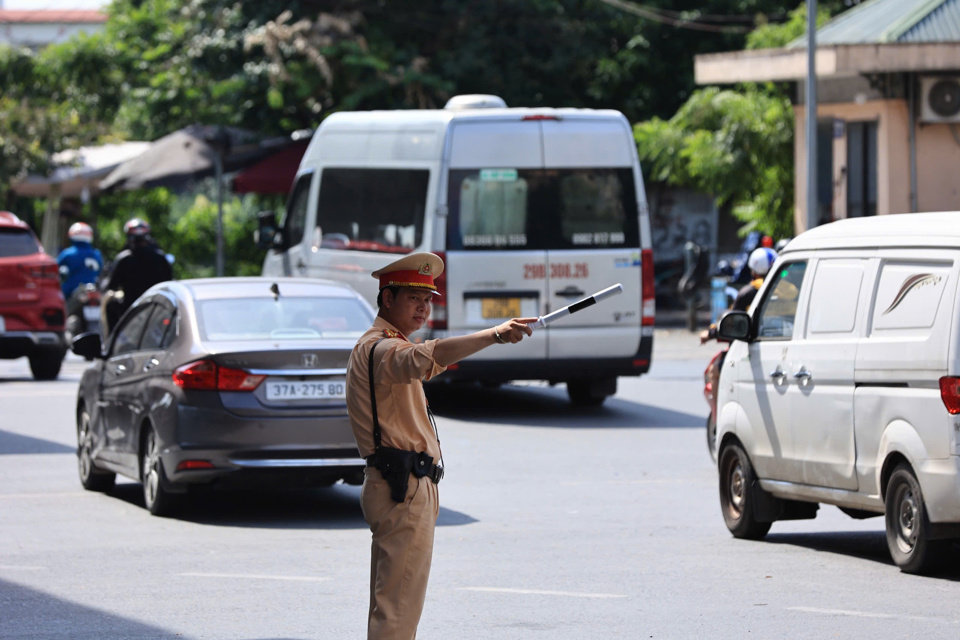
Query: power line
x: 676, y: 19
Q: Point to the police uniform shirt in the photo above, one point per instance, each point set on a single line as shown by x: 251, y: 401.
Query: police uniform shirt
x: 399, y: 367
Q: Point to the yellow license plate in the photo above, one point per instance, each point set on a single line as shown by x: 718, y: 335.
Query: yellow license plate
x: 500, y: 307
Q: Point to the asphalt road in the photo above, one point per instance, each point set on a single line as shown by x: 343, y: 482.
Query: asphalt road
x: 555, y: 523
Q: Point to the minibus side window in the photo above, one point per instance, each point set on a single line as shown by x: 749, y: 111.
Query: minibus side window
x: 778, y: 309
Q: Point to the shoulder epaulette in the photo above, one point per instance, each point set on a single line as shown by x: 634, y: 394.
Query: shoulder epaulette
x: 393, y: 333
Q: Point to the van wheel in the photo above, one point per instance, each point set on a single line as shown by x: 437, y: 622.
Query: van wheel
x: 590, y: 392
x: 712, y: 436
x: 737, y: 487
x: 908, y: 528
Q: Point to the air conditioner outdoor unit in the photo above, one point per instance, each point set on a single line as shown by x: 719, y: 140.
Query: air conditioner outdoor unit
x: 940, y: 99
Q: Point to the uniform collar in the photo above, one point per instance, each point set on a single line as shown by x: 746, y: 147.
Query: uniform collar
x: 388, y: 329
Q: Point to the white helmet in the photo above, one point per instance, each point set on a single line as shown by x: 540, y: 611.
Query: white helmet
x: 80, y: 232
x: 761, y: 260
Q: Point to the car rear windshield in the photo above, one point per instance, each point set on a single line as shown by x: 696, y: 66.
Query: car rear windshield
x: 372, y: 209
x: 521, y: 209
x: 283, y: 319
x: 17, y: 242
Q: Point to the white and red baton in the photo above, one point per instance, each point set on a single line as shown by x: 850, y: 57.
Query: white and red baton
x: 589, y: 301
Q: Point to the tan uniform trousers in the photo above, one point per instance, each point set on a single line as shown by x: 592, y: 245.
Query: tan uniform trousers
x: 400, y: 555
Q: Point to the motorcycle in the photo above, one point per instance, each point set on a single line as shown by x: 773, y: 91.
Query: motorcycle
x: 83, y: 311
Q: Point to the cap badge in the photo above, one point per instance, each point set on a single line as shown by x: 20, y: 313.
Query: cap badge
x: 425, y: 269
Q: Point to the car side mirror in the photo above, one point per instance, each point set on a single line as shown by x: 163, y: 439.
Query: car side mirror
x: 87, y: 345
x: 267, y: 235
x: 734, y: 325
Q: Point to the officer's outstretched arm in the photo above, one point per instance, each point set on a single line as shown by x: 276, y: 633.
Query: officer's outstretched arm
x: 456, y: 348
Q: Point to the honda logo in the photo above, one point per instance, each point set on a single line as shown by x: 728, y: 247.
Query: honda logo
x: 308, y: 360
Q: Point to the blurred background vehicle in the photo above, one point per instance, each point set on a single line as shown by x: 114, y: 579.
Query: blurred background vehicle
x: 31, y: 303
x: 83, y: 311
x: 222, y: 382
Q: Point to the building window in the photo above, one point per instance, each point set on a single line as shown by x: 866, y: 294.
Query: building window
x: 861, y: 169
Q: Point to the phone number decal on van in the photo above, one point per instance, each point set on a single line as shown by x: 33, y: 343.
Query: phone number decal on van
x: 616, y: 237
x: 557, y: 270
x: 500, y: 240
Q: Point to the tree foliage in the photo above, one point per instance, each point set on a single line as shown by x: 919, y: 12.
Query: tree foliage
x: 736, y: 145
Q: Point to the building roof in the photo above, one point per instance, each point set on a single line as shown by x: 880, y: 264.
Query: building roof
x: 47, y: 16
x: 891, y: 21
x: 877, y: 36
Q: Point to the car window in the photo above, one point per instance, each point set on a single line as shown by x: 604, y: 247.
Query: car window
x: 778, y: 310
x: 372, y: 209
x: 128, y: 334
x: 519, y: 209
x: 160, y: 329
x: 283, y: 319
x: 296, y: 220
x: 17, y: 242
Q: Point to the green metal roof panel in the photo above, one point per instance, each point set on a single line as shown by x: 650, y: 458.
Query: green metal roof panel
x: 891, y: 21
x: 940, y: 25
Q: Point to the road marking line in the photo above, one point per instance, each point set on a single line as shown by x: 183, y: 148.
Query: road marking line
x: 867, y: 614
x: 537, y: 592
x: 250, y: 576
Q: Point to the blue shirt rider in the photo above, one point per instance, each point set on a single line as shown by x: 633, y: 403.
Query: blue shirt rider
x: 80, y: 263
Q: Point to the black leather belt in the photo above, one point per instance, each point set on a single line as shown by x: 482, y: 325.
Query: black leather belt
x: 434, y: 472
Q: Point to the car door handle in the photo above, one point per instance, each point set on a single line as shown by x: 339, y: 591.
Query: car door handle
x: 151, y: 364
x: 119, y: 369
x: 570, y: 292
x: 802, y: 375
x: 778, y: 374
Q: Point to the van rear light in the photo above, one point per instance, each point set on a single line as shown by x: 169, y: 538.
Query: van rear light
x: 950, y: 394
x: 648, y: 306
x: 205, y: 374
x: 438, y: 315
x: 540, y: 117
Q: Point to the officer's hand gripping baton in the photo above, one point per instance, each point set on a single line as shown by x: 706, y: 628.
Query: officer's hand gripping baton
x: 543, y: 321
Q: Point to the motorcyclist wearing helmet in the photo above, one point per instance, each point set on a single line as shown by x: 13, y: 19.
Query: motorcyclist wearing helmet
x: 80, y: 263
x: 135, y: 269
x: 759, y: 263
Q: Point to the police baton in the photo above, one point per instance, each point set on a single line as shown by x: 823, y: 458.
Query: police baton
x: 589, y: 301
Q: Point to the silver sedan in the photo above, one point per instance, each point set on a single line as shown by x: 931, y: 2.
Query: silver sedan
x: 222, y: 382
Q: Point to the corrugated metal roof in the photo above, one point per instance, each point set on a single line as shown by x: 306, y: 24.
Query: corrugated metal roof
x: 891, y: 21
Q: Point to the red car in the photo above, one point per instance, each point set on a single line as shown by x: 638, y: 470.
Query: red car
x: 31, y: 304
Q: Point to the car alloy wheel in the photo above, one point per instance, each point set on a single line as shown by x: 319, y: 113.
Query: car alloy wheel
x: 91, y: 478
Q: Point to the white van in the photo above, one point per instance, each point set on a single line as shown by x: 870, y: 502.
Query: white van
x: 843, y: 385
x: 531, y: 210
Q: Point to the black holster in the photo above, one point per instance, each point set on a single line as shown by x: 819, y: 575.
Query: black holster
x: 396, y: 465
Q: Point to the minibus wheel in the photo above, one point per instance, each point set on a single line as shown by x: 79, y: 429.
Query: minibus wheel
x: 737, y: 486
x: 908, y: 527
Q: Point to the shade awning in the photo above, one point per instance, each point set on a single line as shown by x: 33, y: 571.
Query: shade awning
x: 78, y: 170
x: 273, y: 174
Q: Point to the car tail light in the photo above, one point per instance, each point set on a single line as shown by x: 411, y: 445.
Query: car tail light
x: 42, y: 271
x: 438, y: 316
x: 950, y: 394
x: 205, y: 374
x: 541, y: 116
x: 648, y: 294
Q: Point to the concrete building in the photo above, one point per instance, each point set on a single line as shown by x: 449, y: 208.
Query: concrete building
x: 888, y: 83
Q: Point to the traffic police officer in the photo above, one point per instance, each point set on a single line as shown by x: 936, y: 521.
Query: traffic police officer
x: 394, y: 432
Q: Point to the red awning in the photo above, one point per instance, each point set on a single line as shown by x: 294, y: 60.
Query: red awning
x: 273, y: 174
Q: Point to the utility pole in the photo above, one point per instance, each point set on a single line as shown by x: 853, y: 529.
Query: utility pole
x: 811, y: 105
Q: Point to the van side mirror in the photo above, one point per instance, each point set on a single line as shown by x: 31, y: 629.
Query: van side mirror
x: 734, y: 325
x: 87, y: 345
x: 267, y: 235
